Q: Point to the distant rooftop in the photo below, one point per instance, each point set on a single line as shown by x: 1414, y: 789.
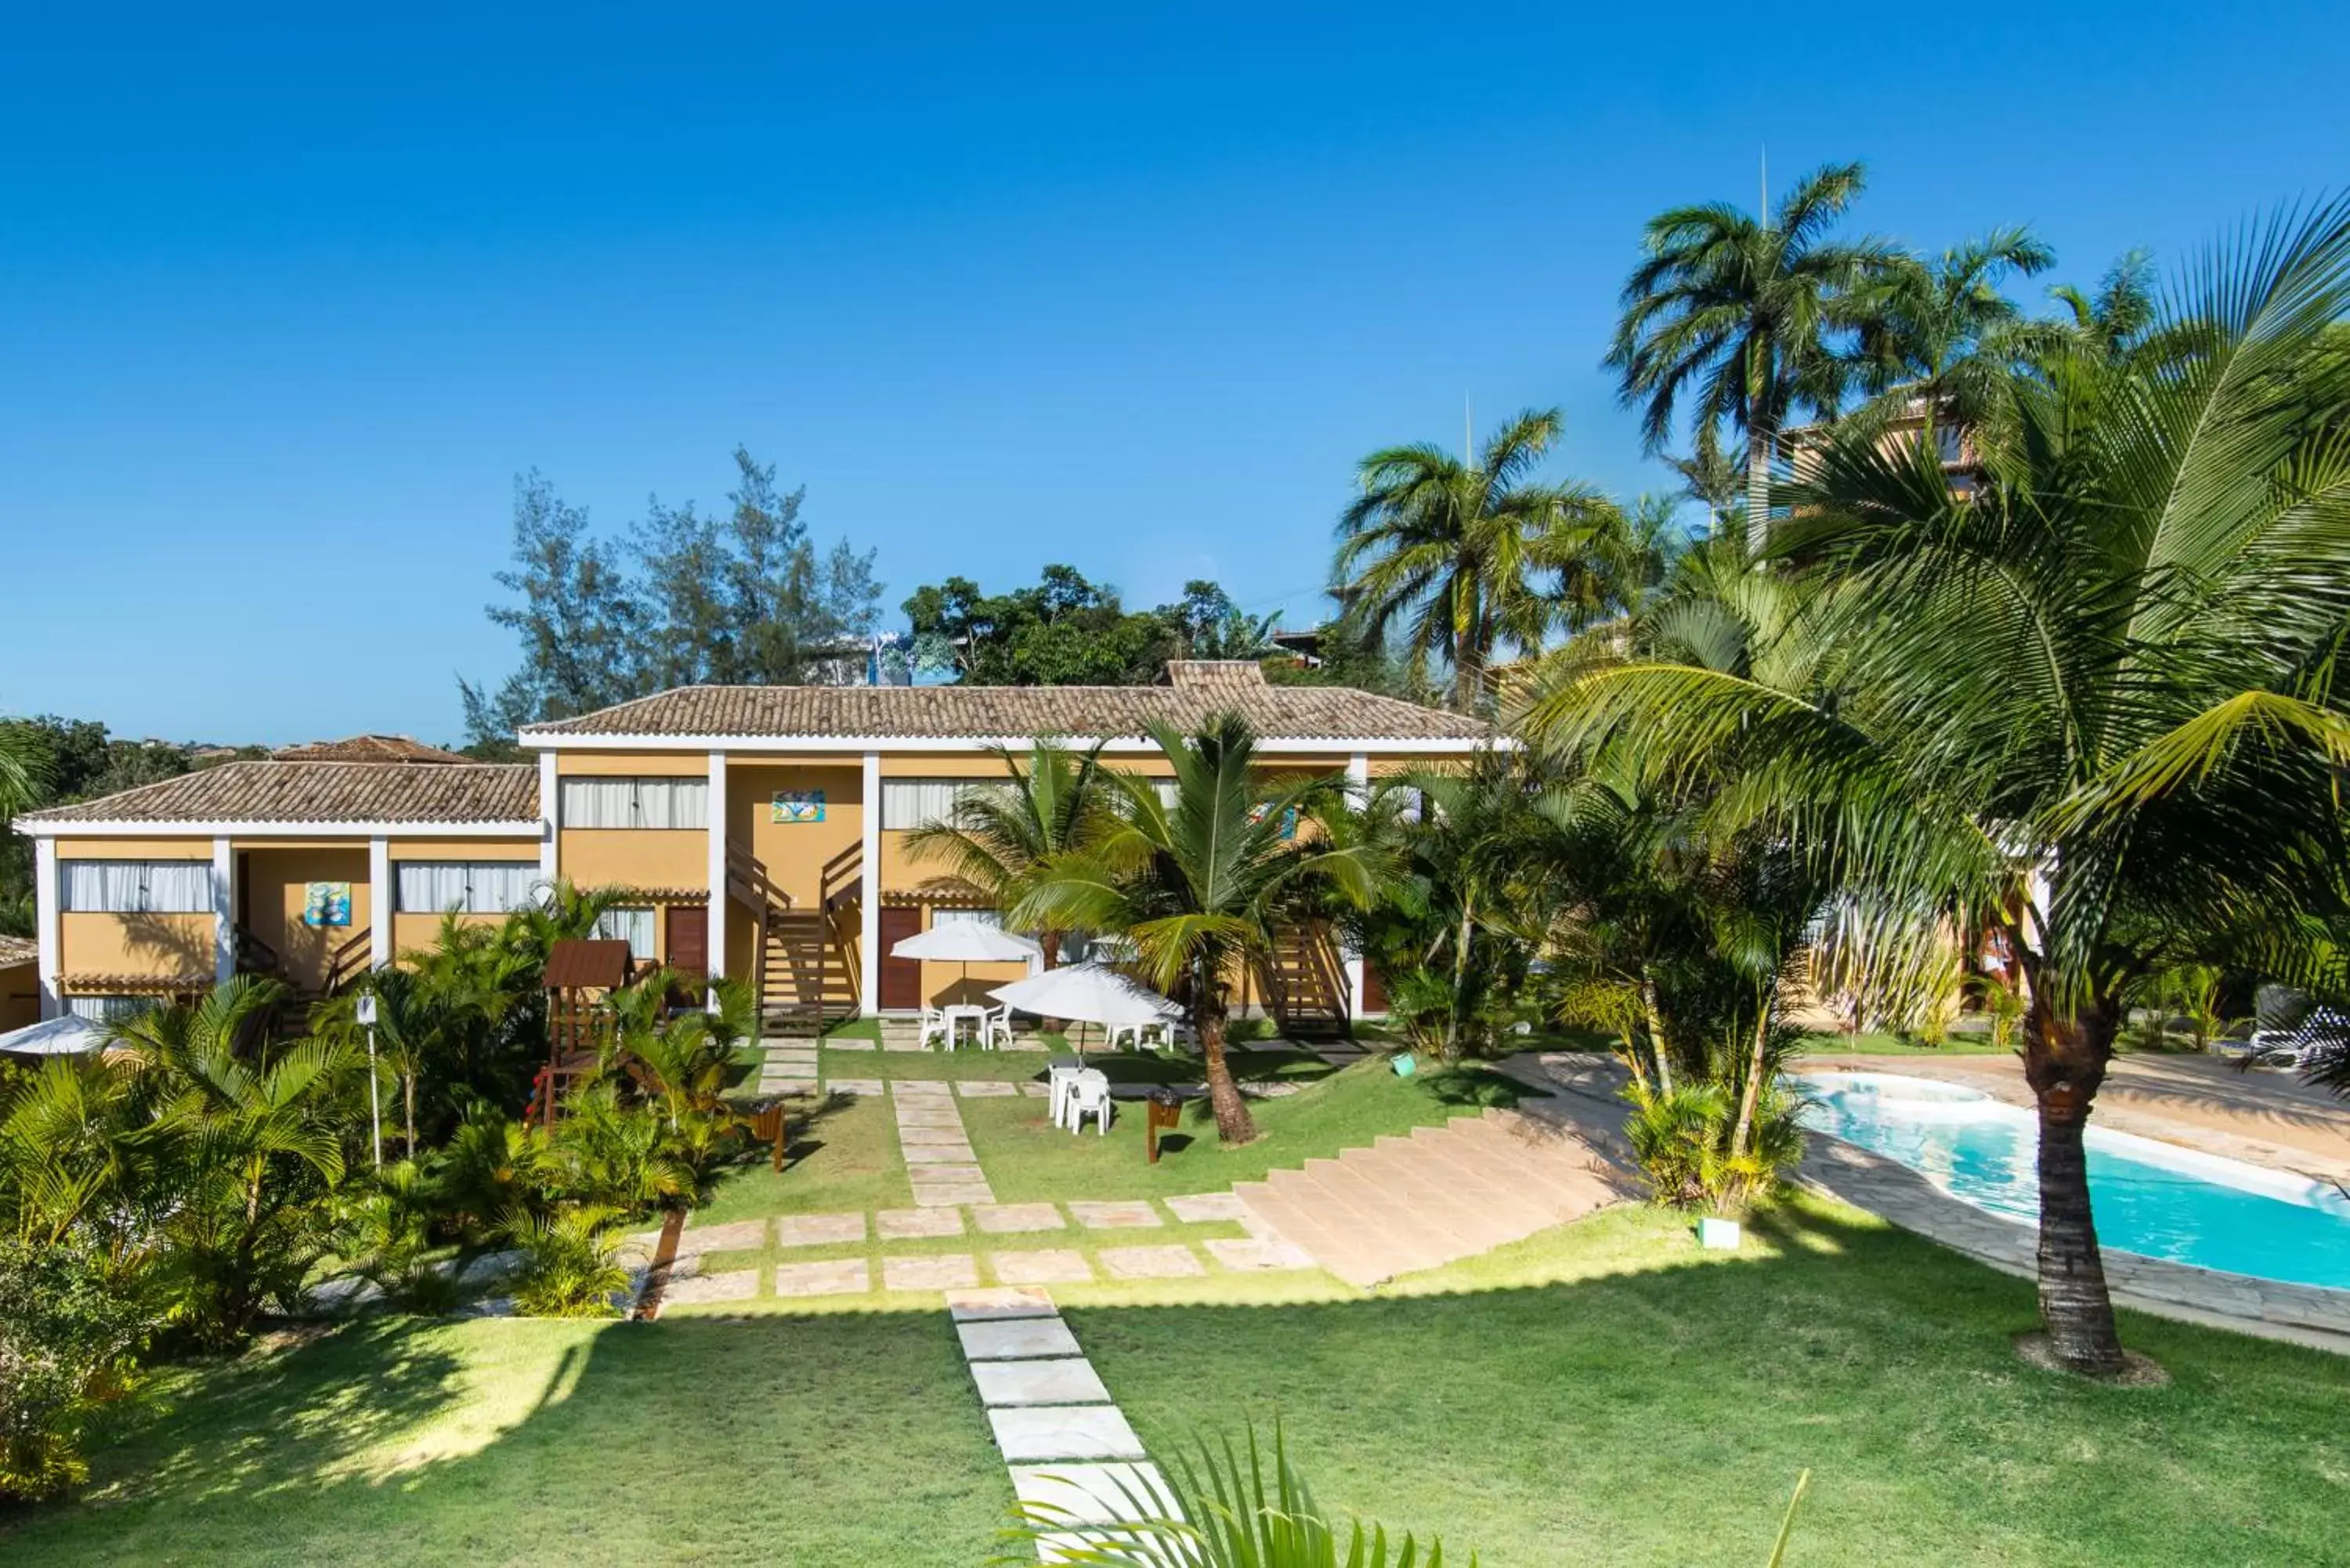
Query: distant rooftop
x: 297, y: 792
x: 368, y: 749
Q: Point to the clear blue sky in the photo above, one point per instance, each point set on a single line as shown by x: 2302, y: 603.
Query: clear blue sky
x: 286, y: 301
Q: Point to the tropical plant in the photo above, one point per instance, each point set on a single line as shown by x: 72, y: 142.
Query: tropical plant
x: 680, y: 1066
x: 1687, y: 1143
x: 1743, y: 321
x: 571, y: 1266
x: 2111, y: 323
x: 2090, y: 705
x: 614, y: 1155
x: 1000, y: 834
x: 1470, y: 557
x: 249, y: 1144
x: 385, y: 1225
x: 1202, y: 884
x: 491, y: 1168
x: 1711, y: 477
x: 71, y: 1328
x: 1939, y: 338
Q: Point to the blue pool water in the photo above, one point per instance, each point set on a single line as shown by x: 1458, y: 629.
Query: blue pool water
x: 2150, y: 1199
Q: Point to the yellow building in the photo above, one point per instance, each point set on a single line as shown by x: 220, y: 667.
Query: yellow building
x: 753, y: 831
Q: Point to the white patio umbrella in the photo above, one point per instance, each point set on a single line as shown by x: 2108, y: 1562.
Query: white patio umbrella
x: 66, y: 1036
x: 1089, y: 993
x: 968, y: 942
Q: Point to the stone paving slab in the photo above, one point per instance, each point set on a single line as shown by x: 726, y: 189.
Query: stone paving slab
x: 949, y: 1171
x: 1127, y: 1214
x: 818, y: 1230
x: 1041, y: 1266
x: 915, y: 1045
x: 938, y: 1153
x: 946, y: 1271
x: 998, y: 1303
x: 737, y: 1236
x: 1064, y: 1432
x: 787, y: 1085
x: 1255, y: 1255
x: 1002, y: 1219
x: 734, y: 1285
x: 1036, y: 1090
x: 910, y: 1224
x: 917, y: 1087
x: 1095, y: 1493
x: 850, y: 1044
x: 839, y: 1277
x: 987, y: 1089
x: 1017, y: 1339
x: 1206, y: 1208
x: 1069, y: 1381
x: 923, y: 1113
x: 857, y: 1085
x: 1169, y: 1263
x: 952, y: 1193
x: 932, y: 1135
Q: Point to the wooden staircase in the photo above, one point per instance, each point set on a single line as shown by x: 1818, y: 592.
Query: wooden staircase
x: 1304, y: 985
x: 350, y: 959
x: 1444, y: 1193
x: 806, y: 979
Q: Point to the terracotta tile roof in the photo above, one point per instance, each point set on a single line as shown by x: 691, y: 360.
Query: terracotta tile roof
x: 947, y: 713
x: 15, y: 950
x: 368, y: 749
x: 134, y: 984
x: 320, y: 791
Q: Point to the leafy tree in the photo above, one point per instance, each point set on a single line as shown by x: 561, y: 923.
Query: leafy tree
x: 2111, y: 322
x: 1470, y: 559
x: 1002, y: 837
x: 1069, y: 631
x: 1742, y: 321
x: 2091, y: 706
x: 580, y: 622
x: 1941, y: 336
x: 1202, y: 884
x: 71, y: 1327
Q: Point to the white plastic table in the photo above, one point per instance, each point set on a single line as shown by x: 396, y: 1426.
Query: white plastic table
x: 957, y: 1012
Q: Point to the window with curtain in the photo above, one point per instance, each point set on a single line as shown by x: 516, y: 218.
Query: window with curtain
x: 912, y: 802
x: 634, y: 927
x: 468, y: 887
x: 137, y: 887
x: 1170, y: 791
x: 109, y: 1009
x: 968, y: 917
x: 636, y: 803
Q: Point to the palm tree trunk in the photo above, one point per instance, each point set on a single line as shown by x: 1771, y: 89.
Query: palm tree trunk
x: 1468, y: 681
x: 1759, y: 438
x: 408, y: 1094
x: 1656, y: 1034
x: 2065, y: 1062
x: 1234, y: 1123
x: 1752, y: 1094
x: 1452, y: 1014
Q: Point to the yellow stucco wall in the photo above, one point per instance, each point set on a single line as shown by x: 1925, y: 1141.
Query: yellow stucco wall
x: 633, y: 765
x: 634, y: 856
x: 161, y: 945
x: 273, y: 889
x: 134, y: 849
x: 795, y: 853
x: 20, y: 995
x: 463, y: 848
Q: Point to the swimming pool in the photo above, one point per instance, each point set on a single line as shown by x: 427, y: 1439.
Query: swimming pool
x: 2153, y: 1199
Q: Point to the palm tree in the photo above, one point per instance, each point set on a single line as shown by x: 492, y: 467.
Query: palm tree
x: 1471, y: 556
x: 1202, y: 884
x: 24, y: 769
x: 1741, y: 319
x: 1941, y: 334
x: 2091, y: 706
x: 2111, y: 322
x: 1000, y: 834
x: 1709, y: 476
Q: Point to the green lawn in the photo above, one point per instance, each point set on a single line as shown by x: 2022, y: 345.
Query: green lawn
x: 1659, y: 1415
x: 1602, y: 1396
x: 843, y: 1154
x: 779, y: 1441
x: 1967, y: 1044
x: 1027, y: 1158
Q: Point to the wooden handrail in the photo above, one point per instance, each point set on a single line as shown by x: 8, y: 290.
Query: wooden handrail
x: 748, y: 871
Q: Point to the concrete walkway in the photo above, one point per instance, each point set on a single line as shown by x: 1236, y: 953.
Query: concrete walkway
x: 1074, y: 1457
x: 941, y: 1164
x: 1442, y: 1194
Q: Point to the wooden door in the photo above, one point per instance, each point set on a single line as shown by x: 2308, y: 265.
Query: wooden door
x: 1375, y: 991
x: 688, y: 933
x: 902, y: 978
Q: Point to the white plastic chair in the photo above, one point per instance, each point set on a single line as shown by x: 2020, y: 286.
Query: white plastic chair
x: 1089, y: 1096
x: 935, y: 1027
x: 996, y: 1028
x: 1057, y: 1081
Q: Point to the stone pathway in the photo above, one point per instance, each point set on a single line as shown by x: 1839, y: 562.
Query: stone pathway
x: 941, y: 1164
x: 1442, y: 1194
x: 790, y: 1066
x: 1073, y: 1456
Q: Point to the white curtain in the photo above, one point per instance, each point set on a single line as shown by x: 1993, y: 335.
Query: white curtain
x: 1170, y: 791
x: 469, y: 886
x: 968, y: 917
x: 634, y: 927
x: 137, y: 887
x: 912, y: 802
x: 636, y: 803
x: 108, y: 1009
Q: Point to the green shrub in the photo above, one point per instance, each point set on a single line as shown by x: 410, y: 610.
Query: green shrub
x: 1682, y: 1142
x: 571, y: 1269
x: 70, y: 1328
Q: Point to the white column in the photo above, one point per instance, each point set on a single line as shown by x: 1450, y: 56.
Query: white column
x: 869, y: 903
x: 717, y: 864
x: 224, y: 911
x: 1359, y: 792
x: 550, y: 817
x: 381, y: 903
x: 46, y: 924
